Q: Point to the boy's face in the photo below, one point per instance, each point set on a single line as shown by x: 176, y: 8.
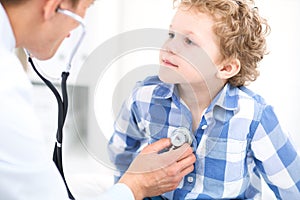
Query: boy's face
x: 191, y: 53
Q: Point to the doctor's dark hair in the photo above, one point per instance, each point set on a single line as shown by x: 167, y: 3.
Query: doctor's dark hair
x: 16, y: 2
x: 240, y: 30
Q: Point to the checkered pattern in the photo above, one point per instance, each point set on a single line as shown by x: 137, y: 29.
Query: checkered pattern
x: 239, y: 140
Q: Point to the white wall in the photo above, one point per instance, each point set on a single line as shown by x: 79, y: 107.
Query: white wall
x: 279, y: 80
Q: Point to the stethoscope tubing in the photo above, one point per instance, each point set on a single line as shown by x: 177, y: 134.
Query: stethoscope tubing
x: 62, y: 100
x: 62, y: 103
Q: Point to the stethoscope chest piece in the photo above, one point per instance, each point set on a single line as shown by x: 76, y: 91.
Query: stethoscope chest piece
x: 180, y: 136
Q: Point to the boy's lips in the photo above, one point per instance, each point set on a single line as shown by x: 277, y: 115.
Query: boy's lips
x: 169, y: 63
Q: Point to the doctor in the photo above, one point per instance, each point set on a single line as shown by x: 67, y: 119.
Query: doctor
x: 26, y: 170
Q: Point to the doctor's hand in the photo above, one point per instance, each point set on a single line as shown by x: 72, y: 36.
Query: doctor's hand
x: 153, y: 173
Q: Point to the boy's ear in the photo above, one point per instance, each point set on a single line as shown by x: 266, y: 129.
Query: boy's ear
x: 229, y: 69
x: 50, y: 7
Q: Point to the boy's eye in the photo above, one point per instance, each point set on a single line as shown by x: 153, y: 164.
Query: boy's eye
x: 171, y: 35
x: 188, y: 41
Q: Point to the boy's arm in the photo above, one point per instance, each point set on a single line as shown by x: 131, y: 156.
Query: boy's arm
x: 275, y: 157
x: 127, y: 139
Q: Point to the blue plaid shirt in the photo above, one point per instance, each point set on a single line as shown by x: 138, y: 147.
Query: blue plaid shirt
x: 238, y: 141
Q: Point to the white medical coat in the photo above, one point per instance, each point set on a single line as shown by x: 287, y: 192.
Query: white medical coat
x: 26, y: 169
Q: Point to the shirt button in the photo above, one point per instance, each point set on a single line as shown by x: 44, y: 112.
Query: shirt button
x: 204, y: 127
x: 190, y: 179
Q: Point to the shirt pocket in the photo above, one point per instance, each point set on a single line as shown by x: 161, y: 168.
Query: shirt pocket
x: 224, y: 157
x: 156, y: 131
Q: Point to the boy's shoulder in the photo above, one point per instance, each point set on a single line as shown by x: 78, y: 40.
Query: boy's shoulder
x: 237, y: 99
x: 250, y: 94
x: 232, y: 97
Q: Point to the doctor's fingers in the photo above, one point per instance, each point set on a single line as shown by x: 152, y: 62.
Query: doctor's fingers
x: 174, y: 156
x: 157, y: 146
x: 175, y: 173
x: 180, y: 153
x: 182, y: 167
x: 187, y: 165
x: 152, y: 161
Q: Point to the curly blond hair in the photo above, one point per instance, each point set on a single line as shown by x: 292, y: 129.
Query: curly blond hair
x: 241, y: 31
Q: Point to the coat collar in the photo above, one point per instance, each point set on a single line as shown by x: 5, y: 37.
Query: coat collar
x: 7, y: 38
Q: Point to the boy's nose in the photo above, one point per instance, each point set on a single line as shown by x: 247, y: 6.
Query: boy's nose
x: 172, y: 47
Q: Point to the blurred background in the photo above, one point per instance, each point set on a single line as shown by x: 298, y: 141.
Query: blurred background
x: 90, y: 118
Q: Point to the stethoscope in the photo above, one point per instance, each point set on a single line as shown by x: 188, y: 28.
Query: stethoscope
x: 180, y: 136
x: 62, y: 101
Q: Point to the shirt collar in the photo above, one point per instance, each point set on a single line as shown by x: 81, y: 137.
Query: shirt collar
x: 167, y: 91
x: 226, y: 99
x: 7, y: 38
x: 164, y: 91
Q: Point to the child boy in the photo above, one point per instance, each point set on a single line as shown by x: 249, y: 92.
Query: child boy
x: 213, y: 50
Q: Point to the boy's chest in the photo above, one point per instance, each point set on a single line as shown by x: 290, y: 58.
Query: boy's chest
x: 220, y: 145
